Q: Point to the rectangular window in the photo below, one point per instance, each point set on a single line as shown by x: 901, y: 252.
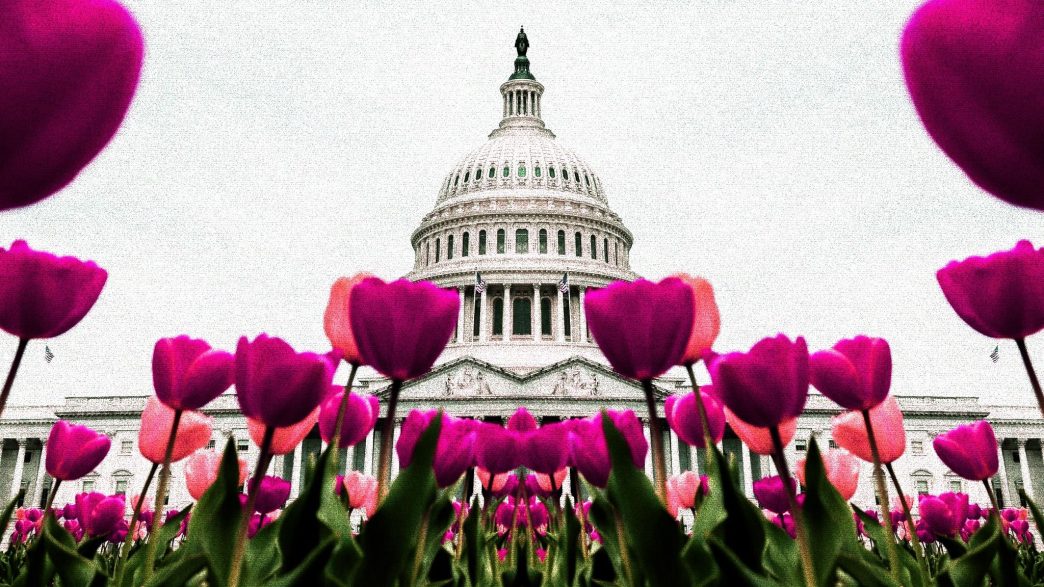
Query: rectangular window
x: 521, y: 241
x: 121, y: 484
x: 500, y: 241
x: 242, y: 445
x: 561, y: 242
x: 449, y: 247
x: 955, y: 485
x: 543, y: 241
x: 464, y: 245
x: 917, y: 447
x: 482, y: 242
x: 126, y: 447
x: 579, y: 245
x: 213, y: 443
x: 922, y: 487
x: 800, y: 445
x: 594, y: 248
x: 28, y: 457
x: 88, y: 484
x: 834, y: 444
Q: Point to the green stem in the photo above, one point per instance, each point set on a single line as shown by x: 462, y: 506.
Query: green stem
x: 708, y: 442
x: 239, y: 549
x: 882, y: 495
x: 1021, y: 342
x: 804, y: 548
x: 625, y: 558
x: 129, y: 539
x: 418, y: 557
x: 161, y: 497
x: 336, y: 439
x: 656, y: 436
x: 50, y: 496
x: 910, y: 527
x: 9, y: 382
x: 996, y: 510
x: 387, y: 434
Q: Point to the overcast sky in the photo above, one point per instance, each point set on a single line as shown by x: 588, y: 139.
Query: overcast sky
x: 768, y: 146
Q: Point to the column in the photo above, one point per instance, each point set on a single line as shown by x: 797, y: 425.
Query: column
x: 16, y: 476
x: 297, y: 475
x: 460, y: 317
x: 583, y: 316
x: 1003, y: 471
x: 483, y: 316
x: 368, y: 454
x: 748, y: 471
x: 41, y: 470
x: 395, y: 454
x: 1027, y: 483
x: 648, y: 455
x: 560, y: 317
x: 536, y: 314
x: 675, y: 455
x: 508, y: 322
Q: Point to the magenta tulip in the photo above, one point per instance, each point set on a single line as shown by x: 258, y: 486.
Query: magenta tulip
x: 497, y: 449
x: 973, y: 71
x: 276, y: 385
x: 642, y: 327
x: 360, y: 415
x: 521, y: 421
x: 401, y: 327
x: 590, y: 454
x: 454, y: 451
x: 546, y: 450
x: 683, y: 418
x: 771, y: 494
x: 943, y: 515
x: 1002, y: 295
x: 42, y: 295
x: 70, y: 68
x: 272, y: 493
x: 99, y: 514
x: 188, y: 374
x: 856, y: 374
x: 73, y: 451
x: 969, y: 450
x: 768, y: 384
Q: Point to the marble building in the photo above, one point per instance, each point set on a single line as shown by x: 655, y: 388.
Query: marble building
x: 521, y: 228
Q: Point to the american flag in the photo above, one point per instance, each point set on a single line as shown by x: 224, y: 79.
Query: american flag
x: 563, y: 286
x: 995, y: 355
x: 48, y: 355
x: 480, y: 286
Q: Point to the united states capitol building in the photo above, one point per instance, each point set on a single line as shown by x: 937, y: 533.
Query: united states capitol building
x: 521, y: 228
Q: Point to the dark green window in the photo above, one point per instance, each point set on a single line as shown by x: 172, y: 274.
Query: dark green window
x: 521, y: 241
x: 449, y: 251
x: 565, y: 174
x: 492, y: 172
x: 438, y: 252
x: 579, y: 245
x: 561, y: 242
x: 545, y: 316
x: 536, y: 172
x: 500, y: 241
x: 455, y: 181
x: 467, y: 176
x: 543, y: 241
x: 550, y: 171
x: 605, y: 254
x: 521, y: 316
x: 507, y: 172
x: 478, y: 319
x: 521, y: 173
x: 482, y: 251
x: 594, y: 248
x: 478, y: 175
x: 498, y: 318
x: 464, y: 246
x: 576, y: 176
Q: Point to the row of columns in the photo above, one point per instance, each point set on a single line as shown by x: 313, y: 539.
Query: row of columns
x: 1026, y: 475
x: 18, y: 472
x: 536, y: 314
x: 522, y: 103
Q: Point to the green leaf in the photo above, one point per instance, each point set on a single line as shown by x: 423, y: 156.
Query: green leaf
x: 439, y: 518
x: 782, y: 560
x: 732, y: 567
x: 743, y: 533
x: 1038, y: 518
x: 864, y: 572
x: 311, y: 566
x: 176, y: 575
x: 214, y: 525
x: 478, y: 566
x: 566, y: 555
x: 302, y: 528
x: 262, y: 555
x: 5, y: 517
x: 972, y: 567
x: 73, y: 569
x: 827, y: 517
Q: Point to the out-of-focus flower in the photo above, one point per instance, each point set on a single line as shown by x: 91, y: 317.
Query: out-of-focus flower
x: 772, y: 495
x: 73, y: 451
x: 187, y: 374
x: 194, y: 431
x: 786, y: 522
x: 684, y: 419
x: 276, y: 385
x: 497, y: 449
x: 849, y: 432
x: 99, y: 514
x: 272, y: 493
x: 842, y: 470
x: 590, y: 455
x: 545, y: 481
x: 767, y: 385
x: 201, y: 471
x: 684, y: 487
x: 454, y: 451
x: 360, y: 415
x: 856, y: 374
x: 943, y: 515
x: 285, y: 438
x: 362, y: 491
x: 969, y: 450
x: 758, y: 439
x: 521, y: 421
x: 546, y: 450
x: 706, y: 320
x: 336, y: 320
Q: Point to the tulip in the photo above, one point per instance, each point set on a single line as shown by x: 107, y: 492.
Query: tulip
x: 275, y: 384
x: 849, y: 432
x: 201, y: 471
x: 188, y: 374
x: 359, y: 417
x: 969, y: 450
x: 771, y: 494
x: 361, y: 488
x: 855, y: 374
x: 284, y: 439
x: 454, y: 451
x: 497, y: 449
x: 194, y: 431
x: 551, y: 483
x: 980, y: 113
x: 758, y: 439
x: 970, y: 527
x: 257, y: 522
x: 336, y: 319
x: 521, y: 421
x: 73, y: 451
x: 841, y: 468
x: 683, y: 417
x: 786, y: 522
x: 706, y: 319
x: 99, y: 514
x: 590, y: 454
x: 943, y: 515
x: 685, y: 487
x: 546, y: 450
x: 71, y: 71
x: 498, y: 481
x: 767, y: 385
x: 272, y: 493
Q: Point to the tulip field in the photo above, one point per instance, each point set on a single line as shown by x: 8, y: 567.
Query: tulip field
x: 424, y: 526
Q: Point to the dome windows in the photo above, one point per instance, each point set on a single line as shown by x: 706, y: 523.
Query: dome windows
x: 565, y: 174
x: 456, y: 180
x: 449, y: 251
x: 579, y: 245
x: 551, y: 172
x: 492, y: 172
x: 500, y: 241
x: 536, y: 171
x: 561, y: 242
x: 467, y: 176
x: 478, y: 174
x: 464, y: 244
x: 521, y: 170
x: 521, y: 316
x: 482, y: 242
x: 594, y: 247
x: 576, y: 176
x: 438, y: 252
x: 543, y: 239
x: 507, y: 171
x: 521, y: 241
x: 605, y: 249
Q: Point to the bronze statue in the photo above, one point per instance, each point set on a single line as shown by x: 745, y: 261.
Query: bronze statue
x: 521, y: 42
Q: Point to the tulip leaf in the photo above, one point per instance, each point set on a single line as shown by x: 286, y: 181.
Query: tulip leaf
x: 736, y: 570
x: 1038, y: 518
x: 865, y: 573
x: 973, y: 566
x: 781, y: 559
x: 175, y: 575
x: 743, y: 532
x: 73, y: 569
x: 311, y: 566
x: 827, y: 517
x: 563, y: 561
x: 302, y: 525
x: 390, y: 536
x: 215, y: 520
x: 262, y: 554
x: 439, y: 519
x: 478, y: 565
x: 5, y: 517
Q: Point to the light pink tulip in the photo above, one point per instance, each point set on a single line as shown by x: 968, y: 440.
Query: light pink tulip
x: 758, y: 439
x: 849, y: 432
x: 842, y: 470
x: 286, y: 439
x: 194, y: 431
x: 201, y: 471
x: 361, y: 488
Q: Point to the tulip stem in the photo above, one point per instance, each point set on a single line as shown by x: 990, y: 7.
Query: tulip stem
x: 996, y: 510
x: 625, y: 558
x: 161, y: 497
x: 805, y: 549
x: 387, y: 434
x: 52, y: 494
x: 239, y: 550
x: 129, y: 539
x: 1021, y: 342
x: 882, y: 496
x: 9, y: 382
x: 918, y: 549
x: 659, y: 462
x: 336, y: 439
x: 701, y: 410
x: 418, y: 556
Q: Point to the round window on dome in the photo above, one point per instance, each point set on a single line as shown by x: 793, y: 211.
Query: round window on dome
x: 536, y: 171
x: 507, y: 170
x: 521, y: 170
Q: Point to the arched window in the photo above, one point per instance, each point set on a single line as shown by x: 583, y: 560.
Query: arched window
x: 605, y: 254
x: 467, y: 176
x: 477, y: 321
x: 507, y: 170
x: 565, y: 174
x: 456, y: 180
x: 543, y: 241
x: 478, y: 176
x: 545, y: 316
x: 449, y: 252
x: 594, y: 248
x: 576, y: 176
x: 521, y: 173
x: 521, y: 241
x: 427, y: 261
x: 579, y: 245
x: 536, y: 171
x: 492, y: 172
x: 438, y: 252
x: 616, y: 257
x: 551, y: 172
x: 482, y: 247
x: 498, y: 316
x: 500, y: 241
x: 561, y: 242
x: 464, y: 246
x: 587, y: 181
x: 521, y: 316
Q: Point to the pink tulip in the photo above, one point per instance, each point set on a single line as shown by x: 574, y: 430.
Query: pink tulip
x: 284, y: 439
x: 683, y: 418
x: 768, y: 384
x: 849, y: 432
x: 70, y: 69
x: 973, y: 71
x: 706, y: 319
x: 73, y: 451
x: 336, y: 320
x: 188, y: 374
x: 361, y: 488
x: 272, y: 493
x: 42, y: 295
x: 454, y: 451
x: 856, y: 373
x: 201, y: 471
x: 499, y: 481
x: 1002, y: 295
x: 771, y: 494
x: 590, y: 454
x: 642, y: 327
x: 360, y: 415
x: 684, y: 487
x: 99, y: 514
x: 545, y: 481
x: 969, y: 450
x: 194, y: 432
x: 497, y: 449
x: 842, y: 470
x: 758, y: 439
x: 943, y: 515
x: 401, y: 327
x: 521, y: 421
x: 275, y: 384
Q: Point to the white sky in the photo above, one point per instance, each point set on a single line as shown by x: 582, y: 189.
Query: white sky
x: 769, y: 146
